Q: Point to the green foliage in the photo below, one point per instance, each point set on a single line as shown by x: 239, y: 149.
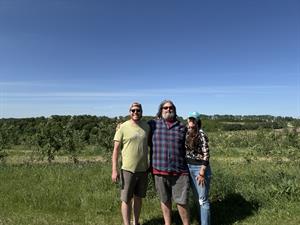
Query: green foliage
x: 264, y: 142
x: 50, y: 138
x: 72, y: 143
x: 3, y: 144
x: 255, y: 172
x: 234, y: 123
x: 3, y: 155
x: 82, y: 193
x: 57, y: 194
x: 57, y: 135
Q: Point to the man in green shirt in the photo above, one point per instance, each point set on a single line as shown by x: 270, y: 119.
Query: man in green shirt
x: 132, y: 137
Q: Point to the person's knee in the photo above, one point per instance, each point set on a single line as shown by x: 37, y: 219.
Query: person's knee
x: 126, y: 202
x: 182, y: 206
x: 167, y: 203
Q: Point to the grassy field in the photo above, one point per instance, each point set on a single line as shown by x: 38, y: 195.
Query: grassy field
x: 245, y: 190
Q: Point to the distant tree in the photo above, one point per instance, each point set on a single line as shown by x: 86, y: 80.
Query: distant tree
x: 3, y: 144
x: 50, y: 138
x: 72, y: 143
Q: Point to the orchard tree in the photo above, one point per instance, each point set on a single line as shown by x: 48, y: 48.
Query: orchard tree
x: 72, y: 141
x: 3, y: 144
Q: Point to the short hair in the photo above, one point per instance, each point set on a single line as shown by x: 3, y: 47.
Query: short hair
x: 136, y: 104
x: 160, y: 107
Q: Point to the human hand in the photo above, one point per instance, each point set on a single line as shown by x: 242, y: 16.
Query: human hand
x: 115, y: 176
x: 201, y: 180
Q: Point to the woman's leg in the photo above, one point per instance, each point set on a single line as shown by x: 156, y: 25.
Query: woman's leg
x: 201, y: 192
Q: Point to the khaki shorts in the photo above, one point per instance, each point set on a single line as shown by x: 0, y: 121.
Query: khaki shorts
x: 176, y: 187
x: 133, y: 184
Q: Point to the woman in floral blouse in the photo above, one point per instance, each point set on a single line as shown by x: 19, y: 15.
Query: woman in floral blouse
x: 197, y: 157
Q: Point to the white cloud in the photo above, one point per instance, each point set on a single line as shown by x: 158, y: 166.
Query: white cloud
x: 218, y: 90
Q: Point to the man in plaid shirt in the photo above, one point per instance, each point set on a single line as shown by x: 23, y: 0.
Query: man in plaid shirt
x: 168, y: 161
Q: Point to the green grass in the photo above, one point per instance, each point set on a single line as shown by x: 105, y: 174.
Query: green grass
x: 57, y: 194
x: 21, y: 154
x: 242, y: 192
x: 259, y: 192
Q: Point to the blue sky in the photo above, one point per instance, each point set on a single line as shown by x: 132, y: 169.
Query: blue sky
x: 71, y: 57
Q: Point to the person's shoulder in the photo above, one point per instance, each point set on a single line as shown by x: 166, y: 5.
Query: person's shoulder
x: 124, y: 124
x: 153, y: 121
x: 144, y: 123
x: 181, y: 124
x: 202, y: 133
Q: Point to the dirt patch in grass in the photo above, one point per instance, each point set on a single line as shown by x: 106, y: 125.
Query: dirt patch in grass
x: 58, y: 159
x: 243, y: 159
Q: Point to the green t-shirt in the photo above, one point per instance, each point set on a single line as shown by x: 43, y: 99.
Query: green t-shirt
x: 134, y: 141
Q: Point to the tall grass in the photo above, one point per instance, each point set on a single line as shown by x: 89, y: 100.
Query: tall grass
x: 57, y: 194
x: 260, y: 192
x: 283, y: 143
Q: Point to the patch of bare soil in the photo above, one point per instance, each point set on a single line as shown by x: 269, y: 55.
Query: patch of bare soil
x: 58, y: 159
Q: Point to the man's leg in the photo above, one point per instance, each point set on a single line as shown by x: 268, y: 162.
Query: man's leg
x: 139, y: 194
x: 126, y: 212
x: 164, y: 191
x: 184, y: 214
x: 137, y: 205
x: 180, y: 192
x: 166, y: 209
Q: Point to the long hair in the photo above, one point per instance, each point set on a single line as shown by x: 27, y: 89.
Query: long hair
x: 199, y: 123
x: 160, y: 108
x: 192, y: 140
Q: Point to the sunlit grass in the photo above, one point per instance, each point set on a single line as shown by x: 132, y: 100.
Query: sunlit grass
x: 242, y: 192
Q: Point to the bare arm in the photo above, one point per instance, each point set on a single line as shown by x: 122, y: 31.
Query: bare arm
x: 115, y: 155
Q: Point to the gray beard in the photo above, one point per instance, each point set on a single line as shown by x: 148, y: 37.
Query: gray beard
x: 168, y: 116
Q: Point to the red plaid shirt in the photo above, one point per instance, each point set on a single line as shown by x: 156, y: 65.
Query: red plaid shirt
x: 167, y: 147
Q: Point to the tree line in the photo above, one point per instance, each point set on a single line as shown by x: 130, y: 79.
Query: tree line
x: 50, y: 135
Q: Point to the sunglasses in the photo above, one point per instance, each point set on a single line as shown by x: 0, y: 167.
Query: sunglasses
x: 135, y: 110
x: 168, y: 107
